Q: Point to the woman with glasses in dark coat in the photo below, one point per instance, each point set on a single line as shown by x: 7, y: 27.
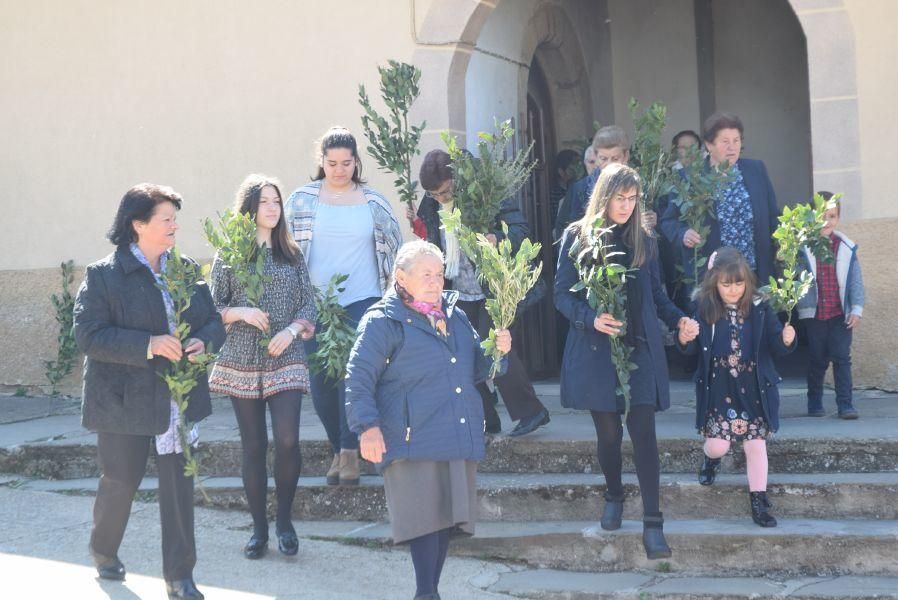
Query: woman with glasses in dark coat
x: 124, y: 323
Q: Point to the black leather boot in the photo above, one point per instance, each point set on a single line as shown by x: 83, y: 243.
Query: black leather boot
x: 760, y: 509
x: 653, y: 537
x: 183, y: 589
x: 708, y: 473
x: 613, y: 512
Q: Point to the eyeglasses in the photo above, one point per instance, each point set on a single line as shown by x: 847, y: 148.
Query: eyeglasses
x: 438, y: 195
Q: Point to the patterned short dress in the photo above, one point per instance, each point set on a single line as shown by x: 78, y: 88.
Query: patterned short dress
x: 735, y: 413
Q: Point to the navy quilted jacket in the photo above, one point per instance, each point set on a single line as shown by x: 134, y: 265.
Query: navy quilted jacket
x: 417, y: 386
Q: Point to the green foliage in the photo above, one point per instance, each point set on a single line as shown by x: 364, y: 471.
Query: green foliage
x: 799, y: 226
x: 604, y: 281
x: 509, y: 275
x: 180, y: 278
x: 393, y: 143
x: 235, y: 242
x: 648, y: 155
x: 483, y: 182
x: 335, y: 338
x: 697, y: 193
x: 67, y: 350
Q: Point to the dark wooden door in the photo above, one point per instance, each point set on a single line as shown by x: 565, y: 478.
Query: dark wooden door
x: 538, y: 331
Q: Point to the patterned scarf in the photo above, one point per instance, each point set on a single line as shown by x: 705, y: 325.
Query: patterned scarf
x: 433, y: 312
x: 166, y: 297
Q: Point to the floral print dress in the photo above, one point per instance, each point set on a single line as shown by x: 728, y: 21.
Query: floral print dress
x: 735, y: 412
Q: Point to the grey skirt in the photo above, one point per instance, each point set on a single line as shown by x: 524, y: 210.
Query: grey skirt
x: 424, y: 496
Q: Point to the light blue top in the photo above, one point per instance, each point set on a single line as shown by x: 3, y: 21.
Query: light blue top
x: 343, y: 242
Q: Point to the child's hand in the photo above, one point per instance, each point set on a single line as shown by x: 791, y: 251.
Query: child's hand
x: 688, y: 330
x: 788, y: 335
x: 853, y: 321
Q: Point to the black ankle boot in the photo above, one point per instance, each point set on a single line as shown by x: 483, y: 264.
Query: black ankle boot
x: 653, y: 537
x: 760, y: 509
x: 613, y: 512
x: 708, y: 473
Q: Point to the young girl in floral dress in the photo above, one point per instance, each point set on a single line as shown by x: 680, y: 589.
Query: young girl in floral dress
x: 736, y: 382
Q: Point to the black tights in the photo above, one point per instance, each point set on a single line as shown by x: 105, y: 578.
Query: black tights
x: 428, y: 555
x: 610, y: 435
x: 284, y: 407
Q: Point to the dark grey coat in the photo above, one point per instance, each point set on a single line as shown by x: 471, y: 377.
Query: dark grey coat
x: 117, y: 309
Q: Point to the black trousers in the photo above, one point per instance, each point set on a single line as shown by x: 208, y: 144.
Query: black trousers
x: 123, y: 462
x: 517, y: 391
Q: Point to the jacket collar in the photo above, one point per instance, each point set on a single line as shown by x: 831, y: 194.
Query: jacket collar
x: 126, y: 260
x: 394, y: 308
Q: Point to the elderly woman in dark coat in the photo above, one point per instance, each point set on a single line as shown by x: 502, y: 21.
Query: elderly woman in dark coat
x: 588, y: 377
x: 124, y: 325
x: 746, y: 211
x: 411, y: 395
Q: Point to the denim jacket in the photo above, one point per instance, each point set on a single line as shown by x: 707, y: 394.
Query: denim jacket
x: 848, y: 274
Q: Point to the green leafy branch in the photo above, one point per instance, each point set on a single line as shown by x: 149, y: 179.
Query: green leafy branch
x: 483, y: 182
x: 798, y: 227
x: 335, y: 338
x: 509, y: 275
x: 67, y: 351
x: 180, y: 278
x: 696, y: 196
x: 604, y: 281
x: 648, y: 155
x: 235, y: 242
x: 393, y: 142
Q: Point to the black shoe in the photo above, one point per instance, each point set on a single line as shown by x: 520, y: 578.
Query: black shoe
x: 112, y: 570
x: 816, y: 412
x: 288, y: 543
x: 653, y: 537
x: 256, y: 547
x: 107, y: 568
x: 613, y: 512
x: 530, y: 424
x: 183, y: 589
x: 708, y: 473
x: 849, y: 413
x: 433, y: 596
x: 760, y: 509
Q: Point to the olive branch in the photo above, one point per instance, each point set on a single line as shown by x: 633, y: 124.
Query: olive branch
x: 179, y: 279
x: 799, y: 226
x: 235, y: 242
x: 393, y: 142
x: 509, y: 275
x: 648, y: 155
x: 606, y: 292
x: 335, y: 338
x: 67, y: 351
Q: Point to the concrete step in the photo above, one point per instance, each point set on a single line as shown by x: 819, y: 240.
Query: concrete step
x: 570, y: 497
x: 62, y: 459
x: 550, y: 584
x: 700, y: 547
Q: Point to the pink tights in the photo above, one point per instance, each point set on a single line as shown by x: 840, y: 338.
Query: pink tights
x: 755, y: 459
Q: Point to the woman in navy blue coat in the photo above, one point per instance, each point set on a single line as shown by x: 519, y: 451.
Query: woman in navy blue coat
x: 588, y: 378
x: 411, y: 396
x: 746, y: 211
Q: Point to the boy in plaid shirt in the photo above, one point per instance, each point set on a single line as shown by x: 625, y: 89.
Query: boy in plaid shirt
x: 831, y: 310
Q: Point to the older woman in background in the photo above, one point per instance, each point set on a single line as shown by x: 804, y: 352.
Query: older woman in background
x: 124, y: 325
x: 411, y: 395
x: 746, y: 210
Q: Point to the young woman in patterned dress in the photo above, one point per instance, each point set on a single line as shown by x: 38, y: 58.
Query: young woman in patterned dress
x: 275, y: 375
x: 736, y: 383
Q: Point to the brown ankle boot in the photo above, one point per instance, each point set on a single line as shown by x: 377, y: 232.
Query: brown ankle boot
x: 349, y: 467
x: 333, y: 474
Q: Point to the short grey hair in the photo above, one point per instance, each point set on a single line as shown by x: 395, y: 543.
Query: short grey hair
x: 411, y: 251
x: 589, y: 150
x: 611, y: 136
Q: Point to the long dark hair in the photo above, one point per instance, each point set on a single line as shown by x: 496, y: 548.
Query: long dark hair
x: 138, y: 204
x: 729, y: 267
x: 613, y: 179
x: 339, y: 137
x: 283, y: 249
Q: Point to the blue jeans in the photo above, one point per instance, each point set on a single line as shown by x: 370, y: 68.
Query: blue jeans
x: 329, y: 397
x: 829, y: 341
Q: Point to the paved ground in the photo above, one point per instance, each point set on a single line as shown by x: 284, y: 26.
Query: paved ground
x: 43, y: 547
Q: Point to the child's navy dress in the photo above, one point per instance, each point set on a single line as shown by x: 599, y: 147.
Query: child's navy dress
x: 735, y: 412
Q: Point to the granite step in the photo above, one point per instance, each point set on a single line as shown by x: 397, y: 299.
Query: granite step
x: 568, y: 497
